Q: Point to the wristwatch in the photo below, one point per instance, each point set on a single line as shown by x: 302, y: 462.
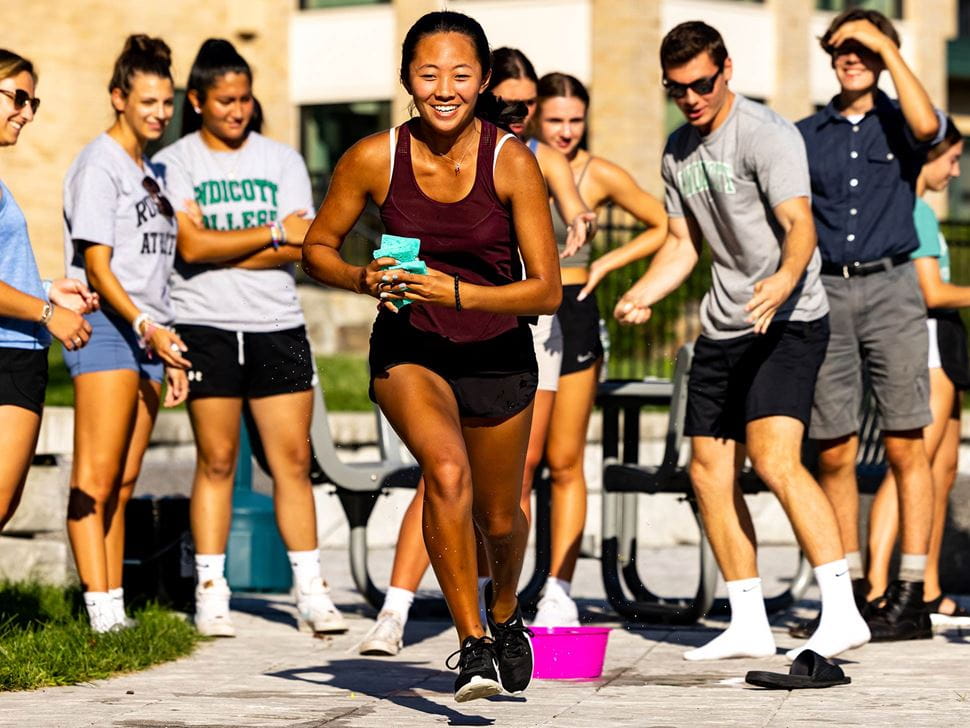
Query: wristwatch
x: 46, y: 313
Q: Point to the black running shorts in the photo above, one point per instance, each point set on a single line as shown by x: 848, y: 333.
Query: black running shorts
x: 580, y: 322
x: 23, y: 378
x: 495, y: 378
x: 243, y: 364
x: 735, y: 381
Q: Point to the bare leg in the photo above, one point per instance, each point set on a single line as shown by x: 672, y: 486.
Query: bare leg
x: 883, y: 530
x: 145, y: 413
x: 542, y: 409
x: 713, y: 470
x: 104, y: 417
x: 19, y: 429
x: 727, y: 521
x: 914, y: 480
x: 884, y: 517
x: 410, y: 555
x: 215, y: 421
x: 497, y: 484
x: 774, y: 445
x: 944, y: 475
x: 836, y: 461
x: 283, y: 422
x: 428, y: 422
x: 566, y: 450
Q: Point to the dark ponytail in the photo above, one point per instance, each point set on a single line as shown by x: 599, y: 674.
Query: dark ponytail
x: 141, y: 54
x: 215, y: 59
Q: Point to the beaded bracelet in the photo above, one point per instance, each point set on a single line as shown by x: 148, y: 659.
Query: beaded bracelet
x: 457, y: 295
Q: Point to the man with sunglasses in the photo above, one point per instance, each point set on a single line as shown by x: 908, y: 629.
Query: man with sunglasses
x: 865, y: 153
x: 736, y: 175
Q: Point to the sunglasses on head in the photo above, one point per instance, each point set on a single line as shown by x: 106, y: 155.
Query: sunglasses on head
x: 21, y: 98
x: 160, y: 200
x: 701, y: 86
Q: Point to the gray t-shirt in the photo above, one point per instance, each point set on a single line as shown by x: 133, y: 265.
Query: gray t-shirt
x: 730, y: 181
x: 261, y: 182
x: 106, y: 203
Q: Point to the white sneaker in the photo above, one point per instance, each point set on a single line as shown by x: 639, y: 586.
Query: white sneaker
x: 212, y: 609
x: 317, y: 608
x: 386, y: 637
x: 556, y: 610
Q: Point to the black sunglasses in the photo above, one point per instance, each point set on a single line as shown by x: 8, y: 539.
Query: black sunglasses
x: 701, y: 86
x: 160, y: 200
x: 21, y: 98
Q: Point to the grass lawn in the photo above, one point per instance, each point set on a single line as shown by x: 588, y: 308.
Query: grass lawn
x: 344, y: 377
x: 45, y: 640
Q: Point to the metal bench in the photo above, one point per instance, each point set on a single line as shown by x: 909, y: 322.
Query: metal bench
x: 624, y: 479
x: 357, y: 486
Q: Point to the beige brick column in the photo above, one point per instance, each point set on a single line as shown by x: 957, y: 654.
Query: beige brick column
x: 405, y: 13
x: 931, y: 23
x: 792, y: 96
x: 627, y: 105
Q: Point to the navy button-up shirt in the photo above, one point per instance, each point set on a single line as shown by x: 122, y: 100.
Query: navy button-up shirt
x: 863, y: 182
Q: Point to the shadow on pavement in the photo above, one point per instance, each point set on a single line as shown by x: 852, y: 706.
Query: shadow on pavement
x: 396, y: 682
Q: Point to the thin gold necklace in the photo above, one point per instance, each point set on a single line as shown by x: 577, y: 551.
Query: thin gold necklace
x: 460, y: 159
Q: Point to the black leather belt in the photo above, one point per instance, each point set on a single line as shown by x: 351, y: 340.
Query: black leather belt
x: 857, y: 268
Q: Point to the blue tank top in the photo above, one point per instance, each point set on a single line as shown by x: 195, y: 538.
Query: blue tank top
x: 18, y: 269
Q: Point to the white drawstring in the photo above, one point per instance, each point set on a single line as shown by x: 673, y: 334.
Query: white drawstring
x: 242, y: 353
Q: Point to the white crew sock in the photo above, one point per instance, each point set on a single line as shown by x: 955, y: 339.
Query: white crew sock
x: 912, y: 567
x: 854, y: 560
x: 841, y: 627
x: 749, y: 634
x: 97, y: 605
x: 118, y: 602
x: 306, y: 567
x: 209, y: 567
x: 399, y: 601
x: 556, y: 586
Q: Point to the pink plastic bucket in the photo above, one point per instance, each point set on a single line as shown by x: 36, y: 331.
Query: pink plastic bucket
x: 563, y: 653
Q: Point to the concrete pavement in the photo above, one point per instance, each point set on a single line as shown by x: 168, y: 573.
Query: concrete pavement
x: 272, y: 676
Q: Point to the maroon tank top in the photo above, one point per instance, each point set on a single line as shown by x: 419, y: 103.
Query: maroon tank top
x: 472, y: 237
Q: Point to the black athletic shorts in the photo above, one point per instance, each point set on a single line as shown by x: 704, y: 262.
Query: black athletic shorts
x: 23, y: 378
x: 580, y: 322
x: 243, y: 364
x: 735, y: 381
x: 495, y: 378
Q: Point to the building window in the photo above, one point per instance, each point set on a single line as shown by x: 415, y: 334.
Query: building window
x: 958, y: 191
x: 326, y: 132
x: 314, y: 4
x: 889, y: 8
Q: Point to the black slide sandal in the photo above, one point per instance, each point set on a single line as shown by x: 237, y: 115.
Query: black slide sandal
x: 808, y: 670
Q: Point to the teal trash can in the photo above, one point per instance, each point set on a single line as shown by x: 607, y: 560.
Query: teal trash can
x: 256, y: 558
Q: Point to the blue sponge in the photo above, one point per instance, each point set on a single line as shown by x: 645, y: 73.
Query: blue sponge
x: 405, y: 252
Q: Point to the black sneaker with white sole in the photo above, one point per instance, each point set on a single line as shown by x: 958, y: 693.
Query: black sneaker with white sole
x: 513, y: 648
x: 477, y: 673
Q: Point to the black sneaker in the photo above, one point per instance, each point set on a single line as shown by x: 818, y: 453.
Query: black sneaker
x: 513, y: 648
x: 900, y: 614
x: 805, y: 628
x: 477, y: 676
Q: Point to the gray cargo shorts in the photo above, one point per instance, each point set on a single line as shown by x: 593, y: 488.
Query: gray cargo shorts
x: 878, y: 324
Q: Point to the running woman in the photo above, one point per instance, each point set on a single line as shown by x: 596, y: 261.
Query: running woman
x: 949, y: 376
x: 31, y: 310
x: 512, y: 90
x: 561, y: 123
x: 236, y: 308
x: 455, y: 371
x: 119, y: 236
